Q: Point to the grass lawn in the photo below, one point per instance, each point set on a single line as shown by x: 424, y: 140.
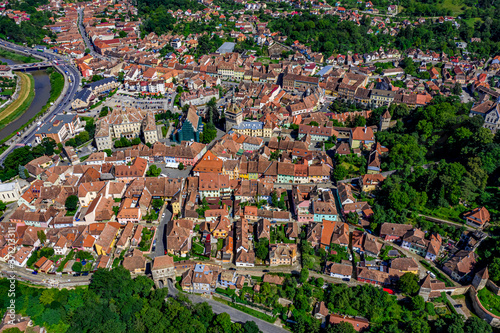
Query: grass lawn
x: 470, y: 22
x: 176, y: 258
x: 440, y: 276
x: 329, y: 145
x: 446, y: 213
x: 348, y: 166
x: 71, y: 212
x: 56, y: 257
x: 69, y: 257
x: 197, y: 248
x: 454, y: 5
x: 267, y: 60
x: 18, y: 57
x: 489, y: 300
x: 7, y: 92
x: 87, y: 267
x: 247, y: 310
x: 22, y: 103
x: 257, y: 278
x: 458, y: 296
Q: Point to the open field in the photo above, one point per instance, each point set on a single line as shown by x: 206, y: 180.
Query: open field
x: 22, y: 103
x: 454, y: 5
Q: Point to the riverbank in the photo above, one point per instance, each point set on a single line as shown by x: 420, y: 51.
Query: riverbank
x: 56, y: 88
x: 26, y: 95
x: 17, y: 57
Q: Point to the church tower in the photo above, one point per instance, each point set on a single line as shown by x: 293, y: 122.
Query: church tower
x: 480, y: 279
x: 385, y: 121
x: 234, y: 115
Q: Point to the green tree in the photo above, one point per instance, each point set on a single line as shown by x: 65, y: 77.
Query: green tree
x: 77, y: 267
x: 342, y: 327
x: 262, y: 249
x: 418, y: 303
x: 104, y: 112
x: 153, y: 171
x: 408, y: 283
x: 180, y: 166
x: 157, y: 203
x: 457, y: 89
x: 41, y: 236
x: 473, y: 324
x: 251, y: 327
x: 71, y: 202
x: 304, y: 275
x: 222, y: 322
x: 209, y: 133
x: 47, y: 296
x: 340, y: 172
x: 87, y: 50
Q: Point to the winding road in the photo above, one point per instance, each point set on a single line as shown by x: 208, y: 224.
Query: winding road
x: 236, y: 315
x: 69, y: 91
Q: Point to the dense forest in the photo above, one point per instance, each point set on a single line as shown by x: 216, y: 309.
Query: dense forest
x: 116, y: 303
x: 447, y: 164
x: 30, y: 32
x: 327, y: 34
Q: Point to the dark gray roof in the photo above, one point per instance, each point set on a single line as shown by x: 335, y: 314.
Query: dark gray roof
x: 83, y: 95
x: 107, y: 80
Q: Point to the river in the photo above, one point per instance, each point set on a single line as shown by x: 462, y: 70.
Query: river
x: 42, y: 94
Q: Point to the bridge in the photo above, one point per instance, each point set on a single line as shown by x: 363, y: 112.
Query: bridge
x: 34, y: 65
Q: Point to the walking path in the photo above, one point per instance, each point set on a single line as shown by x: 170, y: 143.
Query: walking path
x: 453, y: 303
x: 236, y: 315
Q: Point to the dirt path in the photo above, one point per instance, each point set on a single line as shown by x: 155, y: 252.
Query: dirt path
x: 26, y: 87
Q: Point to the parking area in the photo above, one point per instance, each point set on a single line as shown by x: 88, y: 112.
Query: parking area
x: 173, y: 173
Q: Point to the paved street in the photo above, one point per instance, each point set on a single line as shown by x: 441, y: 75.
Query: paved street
x: 458, y: 309
x: 161, y: 244
x: 63, y: 102
x: 236, y: 315
x: 23, y: 274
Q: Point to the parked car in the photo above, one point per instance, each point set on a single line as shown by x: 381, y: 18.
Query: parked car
x: 34, y: 272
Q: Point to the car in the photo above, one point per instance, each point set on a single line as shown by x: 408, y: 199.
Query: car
x: 165, y: 252
x: 457, y: 306
x: 265, y: 271
x: 232, y: 269
x: 76, y: 274
x: 85, y: 274
x: 346, y: 279
x: 34, y: 272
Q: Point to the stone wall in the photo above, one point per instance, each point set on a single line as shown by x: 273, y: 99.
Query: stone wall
x: 493, y: 287
x: 481, y: 311
x: 459, y: 290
